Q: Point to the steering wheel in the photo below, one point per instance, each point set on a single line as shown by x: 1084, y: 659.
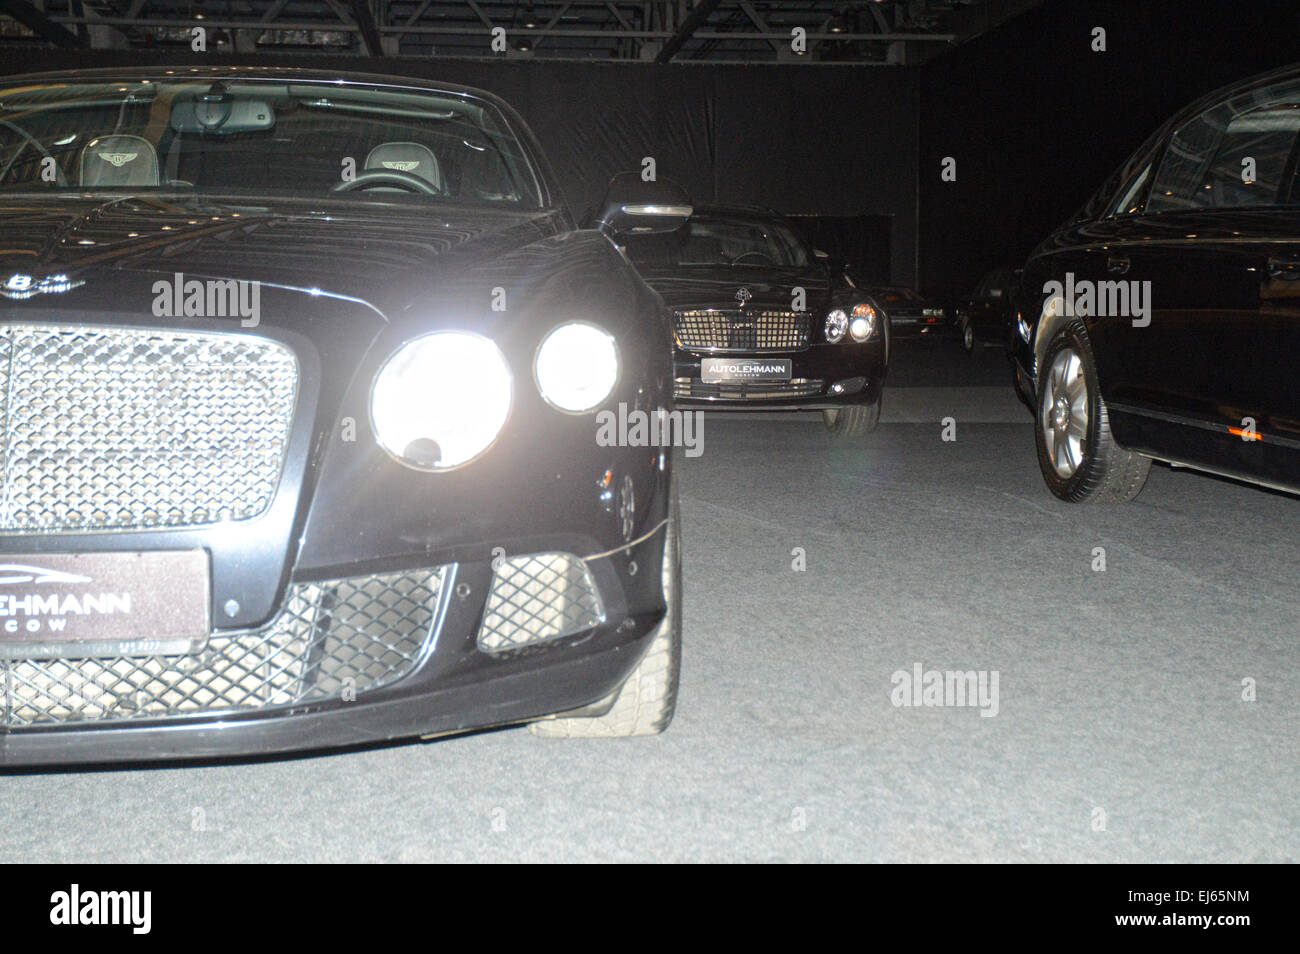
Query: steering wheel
x: 744, y: 255
x: 403, y: 180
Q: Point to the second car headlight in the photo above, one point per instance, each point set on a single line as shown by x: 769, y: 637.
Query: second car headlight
x: 577, y: 366
x: 441, y: 400
x: 837, y: 322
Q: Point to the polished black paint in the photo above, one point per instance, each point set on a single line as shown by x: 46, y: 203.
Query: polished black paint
x: 1220, y: 350
x: 344, y: 283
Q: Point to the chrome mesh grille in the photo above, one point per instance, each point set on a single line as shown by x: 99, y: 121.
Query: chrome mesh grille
x: 748, y: 390
x: 538, y: 597
x: 352, y: 634
x: 717, y: 330
x: 106, y: 428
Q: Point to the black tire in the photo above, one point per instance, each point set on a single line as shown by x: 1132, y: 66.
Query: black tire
x: 647, y: 700
x: 1080, y: 460
x: 967, y: 336
x: 855, y: 421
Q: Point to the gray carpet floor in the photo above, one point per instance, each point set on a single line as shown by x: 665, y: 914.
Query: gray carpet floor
x: 1121, y: 732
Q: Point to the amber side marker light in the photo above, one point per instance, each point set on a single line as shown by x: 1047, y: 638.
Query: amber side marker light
x: 1244, y: 434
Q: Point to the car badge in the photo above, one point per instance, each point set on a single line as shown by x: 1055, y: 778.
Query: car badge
x: 118, y: 159
x: 404, y: 166
x: 19, y: 286
x: 743, y: 296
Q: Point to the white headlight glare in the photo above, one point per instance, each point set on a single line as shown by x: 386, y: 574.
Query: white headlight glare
x: 836, y: 324
x: 441, y: 400
x: 863, y: 325
x: 577, y: 366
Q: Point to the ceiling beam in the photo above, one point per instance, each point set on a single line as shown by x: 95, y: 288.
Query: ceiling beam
x: 684, y: 32
x: 366, y: 23
x: 41, y: 25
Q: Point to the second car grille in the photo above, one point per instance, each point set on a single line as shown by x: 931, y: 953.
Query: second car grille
x: 748, y: 390
x: 106, y: 428
x: 352, y: 634
x: 733, y: 330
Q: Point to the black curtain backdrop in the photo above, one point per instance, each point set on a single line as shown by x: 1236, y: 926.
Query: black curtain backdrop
x: 1036, y: 120
x: 832, y: 141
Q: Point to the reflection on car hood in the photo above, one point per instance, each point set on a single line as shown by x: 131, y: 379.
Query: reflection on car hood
x: 717, y: 287
x: 368, y: 251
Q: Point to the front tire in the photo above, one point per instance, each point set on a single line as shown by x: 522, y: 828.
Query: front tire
x: 644, y: 704
x: 1079, y: 458
x: 850, y: 422
x: 967, y: 336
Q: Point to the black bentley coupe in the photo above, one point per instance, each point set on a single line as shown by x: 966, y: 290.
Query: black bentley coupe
x: 1163, y: 321
x: 762, y: 321
x: 301, y: 374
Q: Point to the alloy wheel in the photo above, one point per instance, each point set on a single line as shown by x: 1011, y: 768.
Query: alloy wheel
x: 1063, y: 415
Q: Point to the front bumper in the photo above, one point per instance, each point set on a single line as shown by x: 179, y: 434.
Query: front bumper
x: 451, y: 684
x: 821, y: 377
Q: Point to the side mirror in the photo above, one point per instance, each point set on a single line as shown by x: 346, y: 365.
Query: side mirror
x: 635, y: 207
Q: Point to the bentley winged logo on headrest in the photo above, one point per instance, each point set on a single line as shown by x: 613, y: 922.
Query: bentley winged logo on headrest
x: 403, y: 166
x: 118, y: 159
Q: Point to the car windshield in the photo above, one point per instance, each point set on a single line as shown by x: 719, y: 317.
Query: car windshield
x: 362, y: 143
x: 712, y: 240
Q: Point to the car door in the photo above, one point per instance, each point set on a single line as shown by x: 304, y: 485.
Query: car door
x: 1212, y: 257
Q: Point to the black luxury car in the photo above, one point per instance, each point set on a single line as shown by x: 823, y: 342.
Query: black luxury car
x: 762, y: 321
x: 302, y: 374
x: 985, y: 318
x: 1163, y: 321
x: 910, y: 313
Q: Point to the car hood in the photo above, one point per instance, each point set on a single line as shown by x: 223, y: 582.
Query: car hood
x: 717, y: 288
x: 376, y: 254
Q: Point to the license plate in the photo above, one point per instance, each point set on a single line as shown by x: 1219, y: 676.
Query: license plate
x: 714, y: 370
x: 103, y: 604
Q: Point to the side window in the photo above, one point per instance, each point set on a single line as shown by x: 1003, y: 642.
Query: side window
x: 1233, y: 155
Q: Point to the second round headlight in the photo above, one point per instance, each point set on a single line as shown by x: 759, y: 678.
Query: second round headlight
x: 577, y: 366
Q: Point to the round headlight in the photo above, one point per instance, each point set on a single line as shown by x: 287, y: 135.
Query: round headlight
x: 836, y: 324
x: 441, y: 400
x: 863, y: 324
x: 577, y: 366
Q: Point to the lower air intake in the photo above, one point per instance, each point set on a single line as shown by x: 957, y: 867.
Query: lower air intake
x: 539, y: 597
x: 352, y: 634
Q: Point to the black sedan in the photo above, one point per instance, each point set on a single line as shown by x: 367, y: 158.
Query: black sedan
x: 985, y: 317
x: 302, y: 375
x: 762, y: 322
x: 911, y: 314
x: 1163, y: 321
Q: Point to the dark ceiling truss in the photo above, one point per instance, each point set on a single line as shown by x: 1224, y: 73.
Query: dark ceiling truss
x: 884, y: 32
